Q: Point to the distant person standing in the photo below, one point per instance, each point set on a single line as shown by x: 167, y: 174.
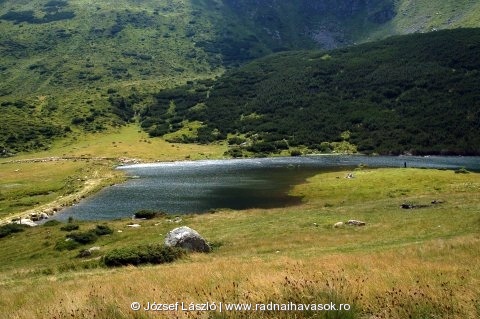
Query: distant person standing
x: 405, y: 164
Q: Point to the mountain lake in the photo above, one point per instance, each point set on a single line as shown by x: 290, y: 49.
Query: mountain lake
x: 202, y: 186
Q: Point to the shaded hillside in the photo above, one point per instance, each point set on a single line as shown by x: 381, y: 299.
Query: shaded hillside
x: 67, y: 60
x: 408, y: 94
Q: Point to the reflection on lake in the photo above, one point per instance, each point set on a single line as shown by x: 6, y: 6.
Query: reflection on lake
x: 200, y: 186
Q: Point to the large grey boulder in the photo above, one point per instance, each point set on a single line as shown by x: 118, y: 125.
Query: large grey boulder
x: 187, y: 238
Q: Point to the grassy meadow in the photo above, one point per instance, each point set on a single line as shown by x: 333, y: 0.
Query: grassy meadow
x: 418, y: 263
x: 80, y: 165
x: 128, y: 142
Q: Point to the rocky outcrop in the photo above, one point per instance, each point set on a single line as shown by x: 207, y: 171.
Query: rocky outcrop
x: 187, y: 238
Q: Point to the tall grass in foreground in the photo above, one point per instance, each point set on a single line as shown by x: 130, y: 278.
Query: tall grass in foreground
x: 376, y: 286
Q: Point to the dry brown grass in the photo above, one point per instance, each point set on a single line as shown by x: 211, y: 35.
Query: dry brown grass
x: 439, y: 278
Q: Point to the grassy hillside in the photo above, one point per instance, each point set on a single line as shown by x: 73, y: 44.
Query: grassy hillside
x: 407, y: 94
x: 425, y: 16
x: 419, y: 263
x: 62, y: 62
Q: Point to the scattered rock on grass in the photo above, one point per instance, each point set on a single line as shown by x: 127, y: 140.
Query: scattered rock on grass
x: 187, y: 238
x: 338, y: 225
x: 175, y: 220
x: 353, y: 222
x: 88, y: 252
x: 134, y: 225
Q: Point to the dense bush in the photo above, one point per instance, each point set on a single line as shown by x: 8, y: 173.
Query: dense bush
x: 90, y: 236
x: 51, y: 223
x: 8, y: 229
x: 148, y: 214
x: 83, y: 238
x: 146, y: 254
x: 70, y: 227
x: 102, y: 230
x: 66, y: 244
x: 462, y: 170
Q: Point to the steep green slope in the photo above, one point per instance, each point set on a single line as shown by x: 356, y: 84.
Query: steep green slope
x: 63, y: 61
x: 408, y: 94
x: 425, y: 16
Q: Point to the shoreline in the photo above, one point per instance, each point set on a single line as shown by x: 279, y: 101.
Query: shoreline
x: 111, y: 176
x: 92, y: 185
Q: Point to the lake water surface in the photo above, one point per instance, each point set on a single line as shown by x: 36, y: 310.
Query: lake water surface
x: 200, y: 186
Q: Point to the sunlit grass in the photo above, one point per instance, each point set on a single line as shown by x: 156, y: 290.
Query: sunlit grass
x: 420, y: 263
x: 24, y: 185
x: 131, y: 143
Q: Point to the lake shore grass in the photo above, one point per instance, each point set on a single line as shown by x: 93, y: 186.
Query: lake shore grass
x: 418, y: 263
x: 47, y: 186
x: 79, y: 166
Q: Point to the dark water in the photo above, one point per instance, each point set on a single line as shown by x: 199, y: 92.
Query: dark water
x: 200, y: 186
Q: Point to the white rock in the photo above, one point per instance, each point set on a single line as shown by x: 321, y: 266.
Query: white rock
x: 134, y: 225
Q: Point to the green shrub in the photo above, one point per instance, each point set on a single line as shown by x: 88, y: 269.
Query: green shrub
x: 295, y: 153
x: 66, y: 245
x: 462, y: 170
x: 87, y: 237
x: 102, y: 230
x: 144, y: 254
x: 84, y: 238
x: 8, y: 229
x: 51, y: 223
x: 70, y: 227
x: 148, y: 214
x: 234, y: 152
